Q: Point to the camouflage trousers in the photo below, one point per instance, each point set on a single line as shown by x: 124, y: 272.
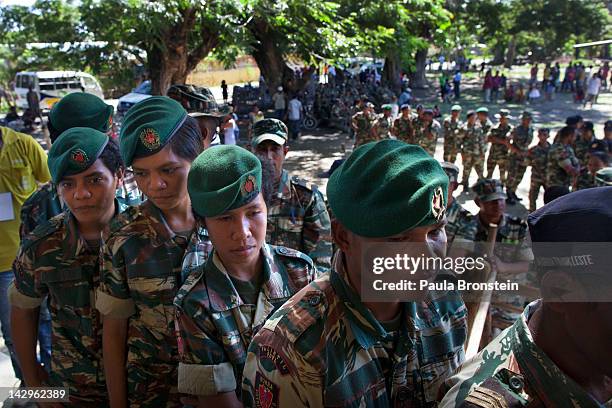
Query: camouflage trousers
x: 154, y: 385
x: 450, y: 150
x: 585, y: 180
x: 471, y: 161
x: 537, y: 182
x: 497, y: 157
x: 516, y: 170
x: 82, y: 394
x: 429, y: 145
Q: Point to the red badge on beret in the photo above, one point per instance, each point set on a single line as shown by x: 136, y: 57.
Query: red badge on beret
x: 79, y: 157
x: 250, y: 185
x: 150, y: 138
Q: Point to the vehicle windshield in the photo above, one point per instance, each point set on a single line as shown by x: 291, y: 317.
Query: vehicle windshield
x: 144, y: 88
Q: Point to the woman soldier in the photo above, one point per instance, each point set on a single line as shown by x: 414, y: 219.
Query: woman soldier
x: 150, y: 250
x: 224, y: 303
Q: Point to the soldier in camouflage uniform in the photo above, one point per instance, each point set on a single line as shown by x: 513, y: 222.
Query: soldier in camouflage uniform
x: 327, y: 347
x: 483, y: 120
x: 520, y: 140
x: 603, y: 177
x: 427, y: 131
x: 563, y: 166
x: 473, y: 150
x: 402, y: 126
x: 241, y: 284
x: 362, y: 123
x: 150, y: 250
x: 459, y: 220
x: 498, y: 137
x: 452, y: 128
x: 297, y: 214
x: 555, y: 354
x: 538, y: 160
x: 382, y: 126
x: 582, y: 147
x: 597, y: 160
x: 60, y: 260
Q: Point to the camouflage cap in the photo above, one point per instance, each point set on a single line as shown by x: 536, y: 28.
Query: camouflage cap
x: 455, y: 108
x: 387, y: 187
x: 503, y: 113
x: 222, y: 179
x: 269, y: 129
x: 75, y: 151
x: 197, y: 101
x: 451, y: 170
x: 405, y: 106
x: 80, y: 109
x: 489, y: 190
x: 148, y: 126
x: 469, y: 113
x: 482, y: 109
x: 603, y: 177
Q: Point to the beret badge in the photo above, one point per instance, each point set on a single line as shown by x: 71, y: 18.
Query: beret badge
x: 249, y: 185
x: 437, y: 204
x: 79, y: 157
x: 150, y: 138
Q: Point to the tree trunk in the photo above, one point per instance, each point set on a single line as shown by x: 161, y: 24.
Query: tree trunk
x: 418, y: 79
x: 391, y: 73
x: 269, y: 60
x: 498, y: 54
x: 511, y: 52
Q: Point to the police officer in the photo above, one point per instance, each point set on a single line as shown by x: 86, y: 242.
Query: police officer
x: 362, y: 123
x: 326, y: 346
x: 402, y: 126
x: 149, y: 251
x: 520, y: 139
x: 60, y: 259
x: 452, y: 126
x: 241, y: 284
x: 563, y: 166
x: 534, y: 362
x: 381, y: 128
x: 473, y: 148
x: 297, y: 215
x: 498, y: 137
x: 538, y: 159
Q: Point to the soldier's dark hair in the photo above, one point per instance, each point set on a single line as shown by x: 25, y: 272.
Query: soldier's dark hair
x: 111, y: 157
x: 565, y: 132
x: 187, y: 141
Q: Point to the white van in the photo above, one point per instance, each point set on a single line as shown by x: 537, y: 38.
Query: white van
x: 52, y: 85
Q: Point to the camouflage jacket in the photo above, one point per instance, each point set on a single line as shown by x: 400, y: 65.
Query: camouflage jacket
x: 427, y: 136
x: 363, y: 128
x: 473, y: 140
x: 522, y: 138
x: 298, y: 219
x: 581, y: 149
x: 538, y: 159
x: 500, y: 133
x: 403, y: 129
x: 55, y: 261
x: 45, y: 203
x: 144, y: 265
x: 452, y: 131
x: 512, y: 371
x: 560, y: 156
x: 325, y: 348
x: 459, y: 223
x: 383, y: 126
x: 485, y: 127
x: 215, y: 324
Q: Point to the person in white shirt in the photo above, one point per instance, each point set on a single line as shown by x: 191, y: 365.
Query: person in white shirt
x: 280, y: 103
x: 295, y: 116
x: 592, y: 89
x: 229, y: 128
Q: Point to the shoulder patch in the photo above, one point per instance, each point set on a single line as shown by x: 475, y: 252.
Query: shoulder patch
x: 124, y: 218
x: 43, y: 230
x: 291, y: 253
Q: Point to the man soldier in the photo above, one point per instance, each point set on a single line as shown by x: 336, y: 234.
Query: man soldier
x: 557, y: 354
x: 381, y: 128
x: 520, y: 139
x: 483, y: 121
x: 297, y: 214
x: 538, y: 159
x: 473, y: 148
x: 362, y: 123
x: 459, y: 220
x: 402, y: 127
x: 498, y: 137
x: 563, y: 166
x: 582, y: 148
x: 60, y: 259
x: 452, y: 127
x: 427, y: 131
x: 597, y: 160
x: 242, y: 283
x: 327, y: 347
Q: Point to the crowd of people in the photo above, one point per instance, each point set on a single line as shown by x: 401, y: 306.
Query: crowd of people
x: 181, y: 269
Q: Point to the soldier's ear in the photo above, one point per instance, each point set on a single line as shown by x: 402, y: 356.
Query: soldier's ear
x: 340, y: 235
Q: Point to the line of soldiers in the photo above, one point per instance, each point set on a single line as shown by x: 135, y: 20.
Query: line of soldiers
x: 183, y: 300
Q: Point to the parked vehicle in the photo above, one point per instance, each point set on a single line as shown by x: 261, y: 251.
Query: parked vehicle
x: 140, y: 93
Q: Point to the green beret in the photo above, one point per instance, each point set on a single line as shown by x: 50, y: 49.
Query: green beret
x: 75, y: 151
x: 80, y: 109
x: 455, y: 108
x: 489, y: 190
x: 603, y: 177
x: 482, y: 109
x: 222, y: 179
x: 387, y: 107
x: 387, y: 187
x: 269, y: 129
x: 148, y: 126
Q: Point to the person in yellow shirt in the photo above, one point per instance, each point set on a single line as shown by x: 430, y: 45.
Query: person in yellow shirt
x: 23, y: 164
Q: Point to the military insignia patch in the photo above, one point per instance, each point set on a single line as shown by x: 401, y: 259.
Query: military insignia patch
x: 268, y: 355
x: 250, y: 185
x: 150, y: 138
x: 437, y: 204
x: 266, y: 392
x: 79, y: 157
